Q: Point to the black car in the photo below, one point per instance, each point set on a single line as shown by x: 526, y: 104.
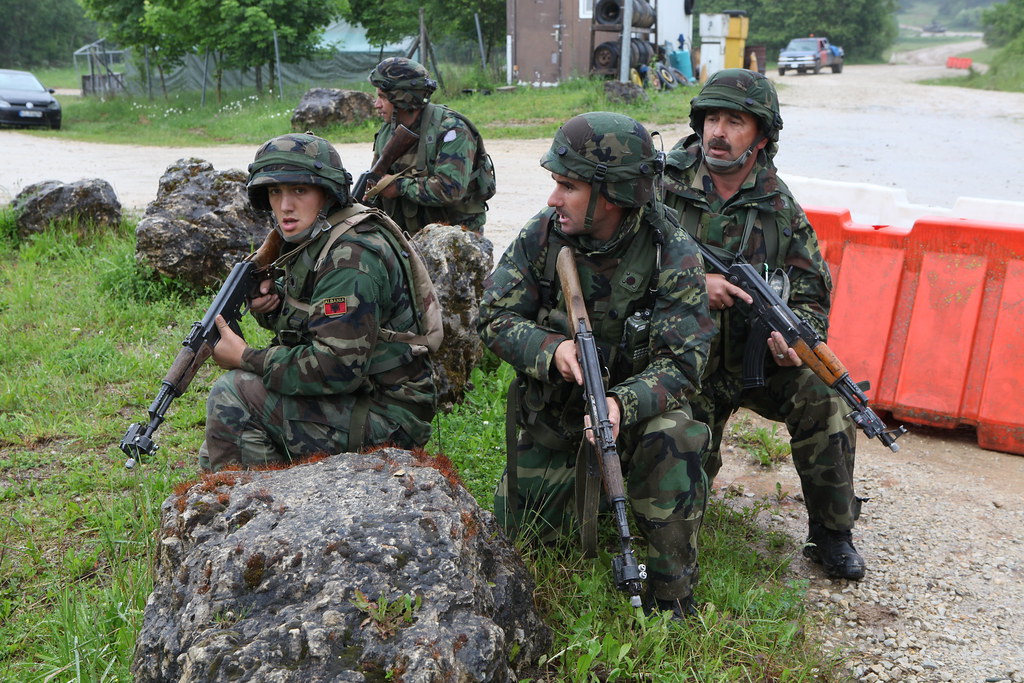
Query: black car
x: 25, y: 102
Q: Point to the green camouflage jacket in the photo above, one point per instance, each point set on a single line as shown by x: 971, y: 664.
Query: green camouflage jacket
x: 334, y: 349
x: 615, y: 271
x: 452, y: 177
x: 763, y: 199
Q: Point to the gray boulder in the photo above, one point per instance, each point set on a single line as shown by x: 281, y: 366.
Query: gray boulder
x: 200, y: 224
x: 91, y: 202
x: 359, y: 567
x: 322, y: 107
x: 459, y: 261
x: 628, y: 93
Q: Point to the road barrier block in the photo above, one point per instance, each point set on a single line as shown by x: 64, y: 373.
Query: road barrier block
x: 959, y: 62
x: 932, y: 317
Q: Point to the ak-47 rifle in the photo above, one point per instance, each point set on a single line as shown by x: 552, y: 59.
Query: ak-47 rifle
x: 770, y: 313
x: 238, y: 289
x: 628, y: 574
x: 400, y: 143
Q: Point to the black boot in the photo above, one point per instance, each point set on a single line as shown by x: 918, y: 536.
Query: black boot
x: 834, y: 551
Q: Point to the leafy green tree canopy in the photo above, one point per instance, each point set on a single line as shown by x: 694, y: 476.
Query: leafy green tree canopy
x: 1003, y: 22
x: 42, y: 32
x: 864, y: 28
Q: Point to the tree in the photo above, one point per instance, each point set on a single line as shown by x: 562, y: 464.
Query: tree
x: 1003, y: 23
x: 864, y: 28
x: 390, y: 21
x: 42, y: 32
x: 235, y: 33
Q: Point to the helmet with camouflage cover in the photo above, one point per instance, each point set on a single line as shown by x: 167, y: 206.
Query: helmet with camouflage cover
x: 741, y: 90
x: 297, y: 158
x: 612, y: 152
x: 405, y: 83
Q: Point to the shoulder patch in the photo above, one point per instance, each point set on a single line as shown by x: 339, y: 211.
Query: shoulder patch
x: 335, y: 306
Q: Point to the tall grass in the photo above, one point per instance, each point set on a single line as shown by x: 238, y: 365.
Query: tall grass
x: 87, y: 337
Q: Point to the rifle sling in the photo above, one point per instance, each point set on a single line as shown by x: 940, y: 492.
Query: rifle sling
x: 588, y: 496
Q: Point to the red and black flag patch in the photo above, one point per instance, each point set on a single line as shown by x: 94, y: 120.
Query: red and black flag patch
x: 335, y: 306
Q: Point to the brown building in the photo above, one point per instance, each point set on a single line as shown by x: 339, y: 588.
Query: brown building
x: 550, y: 41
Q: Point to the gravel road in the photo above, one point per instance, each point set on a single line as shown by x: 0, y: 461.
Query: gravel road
x: 943, y: 599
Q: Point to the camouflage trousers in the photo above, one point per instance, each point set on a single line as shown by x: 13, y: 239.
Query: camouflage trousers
x: 248, y: 425
x: 665, y: 485
x: 822, y: 439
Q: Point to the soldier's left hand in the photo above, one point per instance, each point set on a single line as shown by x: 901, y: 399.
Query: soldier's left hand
x: 782, y: 353
x: 228, y: 351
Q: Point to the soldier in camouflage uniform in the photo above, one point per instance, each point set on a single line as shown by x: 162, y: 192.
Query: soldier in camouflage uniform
x: 722, y: 180
x: 349, y: 365
x: 447, y: 177
x: 638, y: 271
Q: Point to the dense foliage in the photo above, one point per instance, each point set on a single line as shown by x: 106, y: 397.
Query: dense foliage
x: 1004, y: 23
x: 42, y: 32
x: 389, y: 21
x: 864, y: 28
x: 236, y: 33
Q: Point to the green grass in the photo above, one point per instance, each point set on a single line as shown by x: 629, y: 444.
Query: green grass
x: 87, y: 337
x: 242, y: 117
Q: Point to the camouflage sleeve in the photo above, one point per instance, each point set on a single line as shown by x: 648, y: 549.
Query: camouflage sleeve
x: 810, y: 279
x: 343, y: 328
x: 511, y: 302
x: 453, y: 168
x: 681, y: 332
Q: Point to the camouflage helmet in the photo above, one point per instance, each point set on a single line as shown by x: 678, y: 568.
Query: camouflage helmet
x: 405, y: 83
x: 297, y: 158
x: 612, y: 152
x: 741, y: 90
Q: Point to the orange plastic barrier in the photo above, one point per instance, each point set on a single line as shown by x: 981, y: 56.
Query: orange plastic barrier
x: 933, y: 317
x: 959, y: 62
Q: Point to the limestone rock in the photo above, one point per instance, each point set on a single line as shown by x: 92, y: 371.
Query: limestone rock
x: 322, y: 107
x: 90, y: 201
x: 459, y: 261
x: 200, y: 224
x: 359, y: 567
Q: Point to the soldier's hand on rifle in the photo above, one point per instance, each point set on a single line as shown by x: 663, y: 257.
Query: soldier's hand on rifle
x: 784, y: 355
x: 614, y: 416
x: 268, y: 300
x: 567, y: 364
x: 722, y: 294
x: 228, y: 351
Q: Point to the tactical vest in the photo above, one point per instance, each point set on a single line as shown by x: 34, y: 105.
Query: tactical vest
x: 299, y: 280
x: 482, y: 182
x: 633, y: 289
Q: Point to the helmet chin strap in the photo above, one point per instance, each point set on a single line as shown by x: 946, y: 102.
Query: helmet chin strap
x: 720, y: 166
x: 595, y: 185
x: 307, y: 235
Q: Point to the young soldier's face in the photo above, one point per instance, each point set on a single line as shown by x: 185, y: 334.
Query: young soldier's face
x: 570, y: 200
x: 383, y: 106
x: 296, y: 208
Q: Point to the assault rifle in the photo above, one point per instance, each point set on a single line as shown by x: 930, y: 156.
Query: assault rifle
x: 238, y: 289
x: 770, y: 313
x: 400, y: 143
x: 627, y: 573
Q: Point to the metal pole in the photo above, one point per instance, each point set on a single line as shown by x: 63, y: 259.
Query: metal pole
x: 480, y: 40
x: 277, y: 60
x: 627, y: 29
x: 423, y: 40
x: 206, y: 62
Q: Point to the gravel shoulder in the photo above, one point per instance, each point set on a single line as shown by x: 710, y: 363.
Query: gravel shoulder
x: 943, y: 599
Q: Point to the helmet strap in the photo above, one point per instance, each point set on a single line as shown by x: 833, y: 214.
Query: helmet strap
x: 595, y: 190
x: 719, y: 166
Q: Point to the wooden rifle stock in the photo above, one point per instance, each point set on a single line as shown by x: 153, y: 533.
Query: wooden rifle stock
x: 628, y: 573
x: 401, y: 142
